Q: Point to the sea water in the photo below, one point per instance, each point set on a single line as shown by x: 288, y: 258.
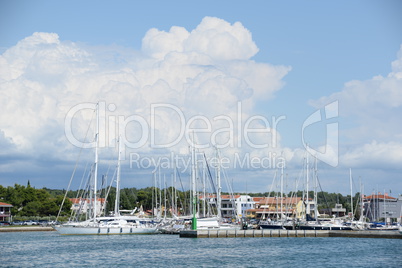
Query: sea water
x: 49, y: 249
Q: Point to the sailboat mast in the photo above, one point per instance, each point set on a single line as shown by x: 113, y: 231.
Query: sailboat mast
x: 117, y: 201
x: 218, y: 182
x: 204, y: 190
x: 315, y: 191
x: 194, y: 221
x: 95, y: 179
x: 351, y: 192
x: 282, y: 192
x: 361, y: 201
x: 307, y: 178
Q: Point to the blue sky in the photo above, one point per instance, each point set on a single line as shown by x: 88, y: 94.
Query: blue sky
x: 291, y: 59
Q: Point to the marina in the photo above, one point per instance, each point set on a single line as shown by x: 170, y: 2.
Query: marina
x: 235, y: 233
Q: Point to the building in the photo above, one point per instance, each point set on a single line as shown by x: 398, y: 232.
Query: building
x: 5, y: 212
x: 338, y: 210
x: 382, y: 207
x: 272, y: 207
x: 301, y: 207
x: 233, y: 205
x: 83, y: 205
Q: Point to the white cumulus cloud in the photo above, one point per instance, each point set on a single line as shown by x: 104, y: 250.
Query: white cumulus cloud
x: 206, y: 72
x: 373, y: 110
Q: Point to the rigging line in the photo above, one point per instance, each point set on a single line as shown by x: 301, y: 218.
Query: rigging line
x: 77, y: 213
x: 325, y: 199
x: 211, y: 186
x: 79, y: 192
x: 269, y: 194
x: 210, y: 175
x: 75, y: 168
x: 184, y: 193
x: 168, y: 197
x: 231, y: 193
x: 108, y: 191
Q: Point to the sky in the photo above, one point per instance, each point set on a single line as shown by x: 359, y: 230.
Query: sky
x: 262, y: 84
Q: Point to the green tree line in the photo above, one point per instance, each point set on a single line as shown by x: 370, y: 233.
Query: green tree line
x: 28, y: 201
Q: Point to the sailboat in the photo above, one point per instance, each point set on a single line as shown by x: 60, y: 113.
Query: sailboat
x: 282, y: 221
x: 311, y: 223
x: 115, y: 224
x: 195, y: 221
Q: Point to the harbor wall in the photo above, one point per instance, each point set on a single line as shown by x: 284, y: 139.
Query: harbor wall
x: 288, y: 233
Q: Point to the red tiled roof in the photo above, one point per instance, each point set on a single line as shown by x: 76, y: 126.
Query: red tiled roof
x: 5, y: 205
x: 266, y: 210
x: 78, y: 200
x: 380, y: 196
x: 257, y: 199
x: 230, y: 196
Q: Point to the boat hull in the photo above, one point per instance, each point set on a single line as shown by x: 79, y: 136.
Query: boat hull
x: 328, y: 228
x: 271, y: 226
x: 81, y: 230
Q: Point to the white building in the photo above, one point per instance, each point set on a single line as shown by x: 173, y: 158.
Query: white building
x: 83, y: 205
x: 236, y: 205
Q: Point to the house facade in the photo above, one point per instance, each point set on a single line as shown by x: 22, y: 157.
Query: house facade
x: 236, y: 205
x: 382, y: 207
x: 84, y: 205
x: 272, y: 207
x: 5, y: 212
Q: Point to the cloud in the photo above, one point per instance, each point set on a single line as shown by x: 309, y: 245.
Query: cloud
x: 376, y: 93
x: 375, y: 154
x: 213, y: 37
x: 370, y: 115
x: 203, y: 72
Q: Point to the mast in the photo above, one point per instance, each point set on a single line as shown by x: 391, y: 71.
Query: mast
x: 307, y: 178
x: 173, y: 206
x: 194, y: 198
x: 160, y: 193
x: 117, y: 201
x: 282, y: 193
x: 315, y: 191
x: 385, y: 215
x: 204, y: 190
x: 153, y: 194
x: 95, y: 178
x: 218, y: 182
x: 164, y: 196
x: 175, y: 190
x: 351, y: 192
x: 361, y: 201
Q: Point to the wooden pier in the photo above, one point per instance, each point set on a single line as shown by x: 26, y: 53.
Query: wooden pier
x: 288, y: 233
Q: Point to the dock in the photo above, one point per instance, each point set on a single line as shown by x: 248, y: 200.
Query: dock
x: 288, y: 233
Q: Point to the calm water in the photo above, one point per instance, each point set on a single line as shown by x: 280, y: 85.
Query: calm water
x: 49, y: 249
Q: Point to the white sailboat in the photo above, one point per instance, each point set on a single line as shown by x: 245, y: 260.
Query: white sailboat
x: 195, y: 221
x: 311, y: 223
x: 116, y: 224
